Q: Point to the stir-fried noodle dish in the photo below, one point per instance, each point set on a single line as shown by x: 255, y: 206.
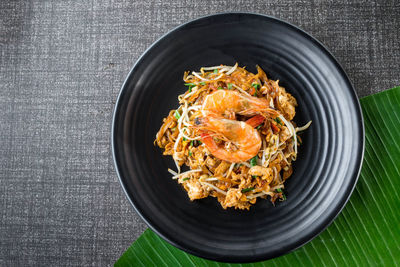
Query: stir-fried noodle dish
x: 234, y: 131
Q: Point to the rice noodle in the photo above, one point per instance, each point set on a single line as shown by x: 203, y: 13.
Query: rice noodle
x: 177, y: 165
x: 283, y: 157
x: 264, y: 152
x: 245, y: 164
x: 175, y: 147
x: 211, y: 179
x: 240, y: 89
x: 194, y: 89
x: 230, y: 169
x: 214, y: 187
x: 291, y: 130
x: 187, y: 172
x: 275, y: 173
x: 207, y: 80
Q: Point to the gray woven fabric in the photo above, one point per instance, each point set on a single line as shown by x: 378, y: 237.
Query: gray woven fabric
x: 61, y: 66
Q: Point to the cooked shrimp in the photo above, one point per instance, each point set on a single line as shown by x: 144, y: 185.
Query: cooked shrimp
x: 227, y: 116
x: 244, y: 137
x: 227, y: 103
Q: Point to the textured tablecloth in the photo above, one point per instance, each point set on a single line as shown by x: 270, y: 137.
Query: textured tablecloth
x: 61, y: 66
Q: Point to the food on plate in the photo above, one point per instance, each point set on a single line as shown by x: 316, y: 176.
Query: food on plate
x: 235, y: 131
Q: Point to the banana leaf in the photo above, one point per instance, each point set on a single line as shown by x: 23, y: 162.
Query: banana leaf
x: 366, y: 233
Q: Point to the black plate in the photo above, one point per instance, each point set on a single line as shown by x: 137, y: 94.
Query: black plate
x: 328, y: 164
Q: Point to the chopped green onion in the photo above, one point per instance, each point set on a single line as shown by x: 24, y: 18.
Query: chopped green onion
x: 254, y: 176
x: 258, y: 127
x: 203, y: 83
x: 220, y: 88
x: 185, y: 179
x: 216, y: 71
x: 199, y: 142
x: 278, y: 121
x: 229, y: 86
x: 177, y: 115
x: 253, y: 161
x: 283, y: 194
x: 247, y: 189
x: 191, y: 143
x: 191, y: 85
x: 173, y: 129
x: 184, y: 139
x: 256, y: 86
x: 190, y: 153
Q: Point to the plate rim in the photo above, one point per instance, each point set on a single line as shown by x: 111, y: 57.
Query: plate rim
x: 341, y: 204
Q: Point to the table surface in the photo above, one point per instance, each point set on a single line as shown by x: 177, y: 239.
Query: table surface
x: 62, y: 64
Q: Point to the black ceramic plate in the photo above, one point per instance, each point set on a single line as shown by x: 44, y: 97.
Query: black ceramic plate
x: 328, y: 164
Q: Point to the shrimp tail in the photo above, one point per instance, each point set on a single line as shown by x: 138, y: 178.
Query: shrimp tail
x: 208, y: 140
x: 210, y: 143
x: 255, y: 121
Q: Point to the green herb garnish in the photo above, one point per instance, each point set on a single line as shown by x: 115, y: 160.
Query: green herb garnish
x: 253, y: 161
x: 254, y: 176
x: 203, y: 83
x: 190, y: 153
x: 220, y: 88
x: 229, y: 86
x: 216, y: 71
x: 184, y: 139
x: 279, y: 190
x: 185, y: 179
x: 191, y: 85
x: 256, y: 86
x: 247, y: 189
x: 258, y: 127
x: 191, y: 143
x: 278, y: 121
x: 177, y: 115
